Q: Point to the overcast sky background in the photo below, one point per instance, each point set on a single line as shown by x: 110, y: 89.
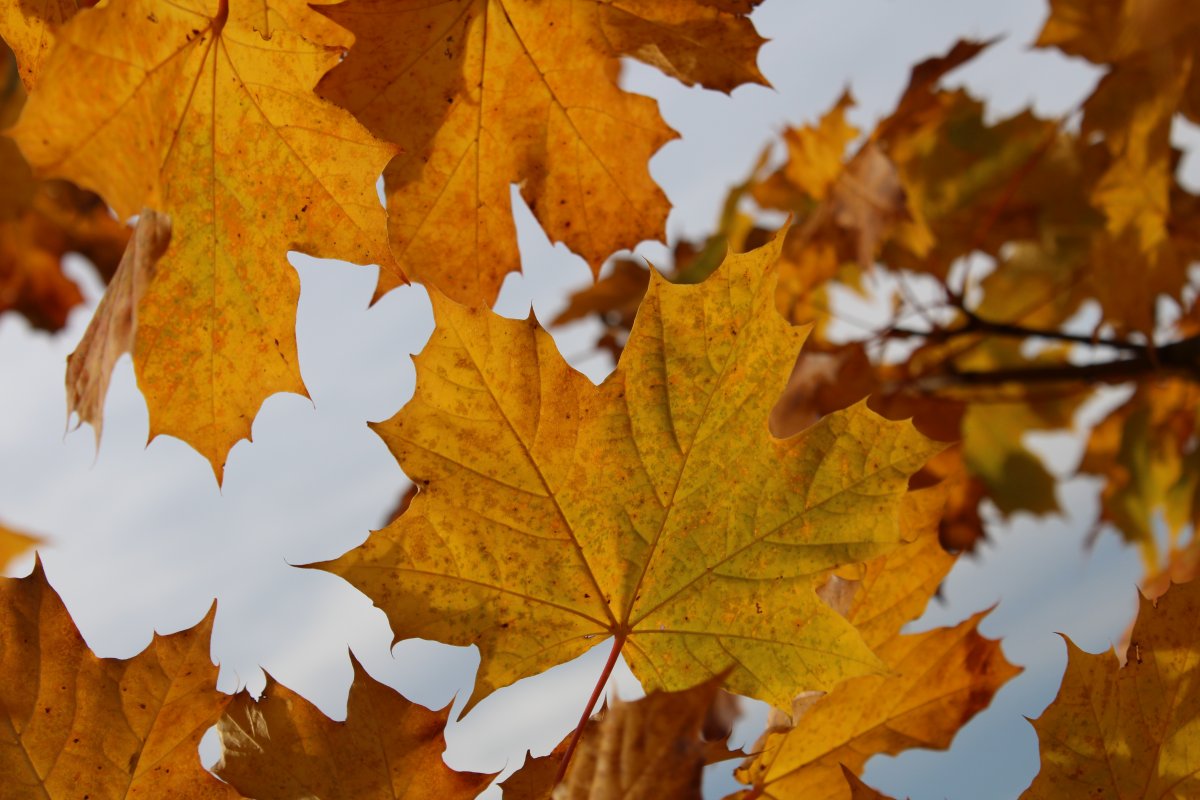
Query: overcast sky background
x: 142, y: 539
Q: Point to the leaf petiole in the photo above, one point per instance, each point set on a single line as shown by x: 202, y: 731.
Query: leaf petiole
x: 618, y: 643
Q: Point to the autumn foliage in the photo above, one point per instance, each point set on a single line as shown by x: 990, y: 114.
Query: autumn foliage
x: 752, y: 502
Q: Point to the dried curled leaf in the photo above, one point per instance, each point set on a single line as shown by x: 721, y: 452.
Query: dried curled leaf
x: 647, y: 749
x: 651, y: 748
x: 282, y: 747
x: 1124, y: 732
x: 482, y: 94
x: 102, y: 728
x: 111, y: 332
x: 208, y: 116
x: 656, y: 508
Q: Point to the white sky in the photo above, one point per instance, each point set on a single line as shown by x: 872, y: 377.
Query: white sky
x: 142, y: 539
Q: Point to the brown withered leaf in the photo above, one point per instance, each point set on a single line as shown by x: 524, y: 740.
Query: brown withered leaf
x: 111, y: 332
x: 102, y: 728
x: 971, y: 185
x: 654, y: 748
x: 614, y: 298
x: 535, y: 780
x: 482, y: 94
x: 281, y: 747
x: 868, y: 200
x: 848, y: 208
x: 825, y: 378
x: 1125, y: 732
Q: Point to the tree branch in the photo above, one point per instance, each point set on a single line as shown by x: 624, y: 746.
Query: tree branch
x: 976, y: 325
x: 1180, y: 358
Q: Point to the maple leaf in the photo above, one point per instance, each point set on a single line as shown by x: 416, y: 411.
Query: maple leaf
x: 654, y: 747
x: 553, y: 512
x: 863, y: 201
x: 830, y: 377
x: 537, y: 777
x: 616, y: 297
x: 13, y: 544
x: 1153, y: 74
x: 283, y: 748
x: 845, y: 209
x: 824, y: 379
x: 81, y: 726
x: 29, y: 26
x: 40, y: 222
x: 650, y: 748
x: 1146, y: 452
x: 815, y: 153
x: 936, y: 680
x: 111, y: 332
x: 860, y: 790
x: 1124, y: 732
x: 482, y: 94
x: 206, y: 114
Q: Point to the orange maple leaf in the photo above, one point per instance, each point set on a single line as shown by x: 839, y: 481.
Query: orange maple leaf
x: 1125, y: 732
x: 281, y: 747
x: 207, y: 115
x: 103, y: 728
x: 482, y: 94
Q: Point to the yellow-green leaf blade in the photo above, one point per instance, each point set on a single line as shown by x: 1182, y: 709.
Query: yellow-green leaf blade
x: 656, y: 507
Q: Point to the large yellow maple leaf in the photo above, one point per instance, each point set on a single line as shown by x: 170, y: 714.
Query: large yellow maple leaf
x: 482, y: 94
x: 656, y: 508
x: 73, y: 725
x: 282, y: 747
x: 1124, y: 732
x: 935, y: 682
x: 204, y: 110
